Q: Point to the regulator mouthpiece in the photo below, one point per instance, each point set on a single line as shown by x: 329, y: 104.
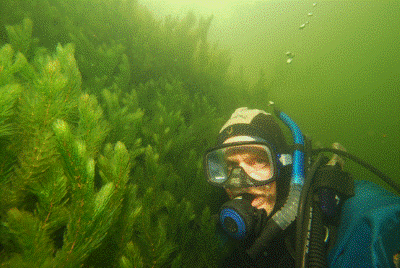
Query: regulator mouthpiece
x: 240, y: 219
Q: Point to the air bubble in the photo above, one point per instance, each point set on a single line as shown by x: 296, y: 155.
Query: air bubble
x: 290, y: 57
x: 289, y: 54
x: 309, y: 14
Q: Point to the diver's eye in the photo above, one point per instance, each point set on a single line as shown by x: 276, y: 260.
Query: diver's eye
x: 258, y: 162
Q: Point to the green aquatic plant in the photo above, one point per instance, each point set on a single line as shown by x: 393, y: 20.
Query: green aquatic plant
x: 45, y: 195
x: 176, y: 128
x: 165, y: 119
x: 8, y: 97
x: 71, y: 197
x: 92, y: 213
x: 20, y: 37
x: 71, y: 204
x: 125, y: 117
x: 50, y: 196
x: 11, y: 64
x: 121, y: 42
x: 173, y: 236
x: 9, y: 94
x: 98, y: 65
x: 35, y: 96
x: 92, y: 128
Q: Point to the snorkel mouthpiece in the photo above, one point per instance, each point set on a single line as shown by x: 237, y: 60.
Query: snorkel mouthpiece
x: 287, y: 214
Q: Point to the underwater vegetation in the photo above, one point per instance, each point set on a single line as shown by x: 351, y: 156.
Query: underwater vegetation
x: 104, y: 116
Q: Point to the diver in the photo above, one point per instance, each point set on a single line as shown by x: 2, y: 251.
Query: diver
x: 292, y: 206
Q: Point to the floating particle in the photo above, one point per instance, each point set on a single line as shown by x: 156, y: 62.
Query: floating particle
x: 309, y: 14
x: 307, y: 22
x: 289, y: 60
x: 314, y: 4
x: 290, y: 54
x: 302, y: 26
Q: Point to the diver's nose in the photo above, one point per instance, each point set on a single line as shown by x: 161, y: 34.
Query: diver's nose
x: 245, y: 166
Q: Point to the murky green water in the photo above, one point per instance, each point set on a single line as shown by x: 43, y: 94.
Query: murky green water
x: 332, y: 65
x: 343, y: 80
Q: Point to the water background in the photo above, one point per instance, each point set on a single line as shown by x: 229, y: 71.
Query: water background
x: 343, y: 83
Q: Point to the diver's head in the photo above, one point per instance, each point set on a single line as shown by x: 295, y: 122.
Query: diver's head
x: 254, y: 123
x: 249, y: 158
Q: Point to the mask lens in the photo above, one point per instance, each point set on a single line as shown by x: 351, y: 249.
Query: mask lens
x: 216, y: 167
x: 254, y: 159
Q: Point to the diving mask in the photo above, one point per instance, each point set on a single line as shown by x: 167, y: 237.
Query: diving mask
x: 241, y: 165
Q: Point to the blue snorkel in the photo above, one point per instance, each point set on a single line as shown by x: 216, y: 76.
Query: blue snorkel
x: 298, y: 154
x: 287, y: 214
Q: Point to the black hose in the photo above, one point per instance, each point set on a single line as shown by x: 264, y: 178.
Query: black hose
x: 304, y: 207
x: 317, y: 250
x: 270, y: 231
x: 371, y: 168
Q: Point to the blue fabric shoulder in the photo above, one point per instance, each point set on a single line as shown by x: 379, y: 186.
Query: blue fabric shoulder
x: 369, y: 230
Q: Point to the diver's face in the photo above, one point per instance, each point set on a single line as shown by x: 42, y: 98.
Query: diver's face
x: 252, y: 159
x: 255, y: 165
